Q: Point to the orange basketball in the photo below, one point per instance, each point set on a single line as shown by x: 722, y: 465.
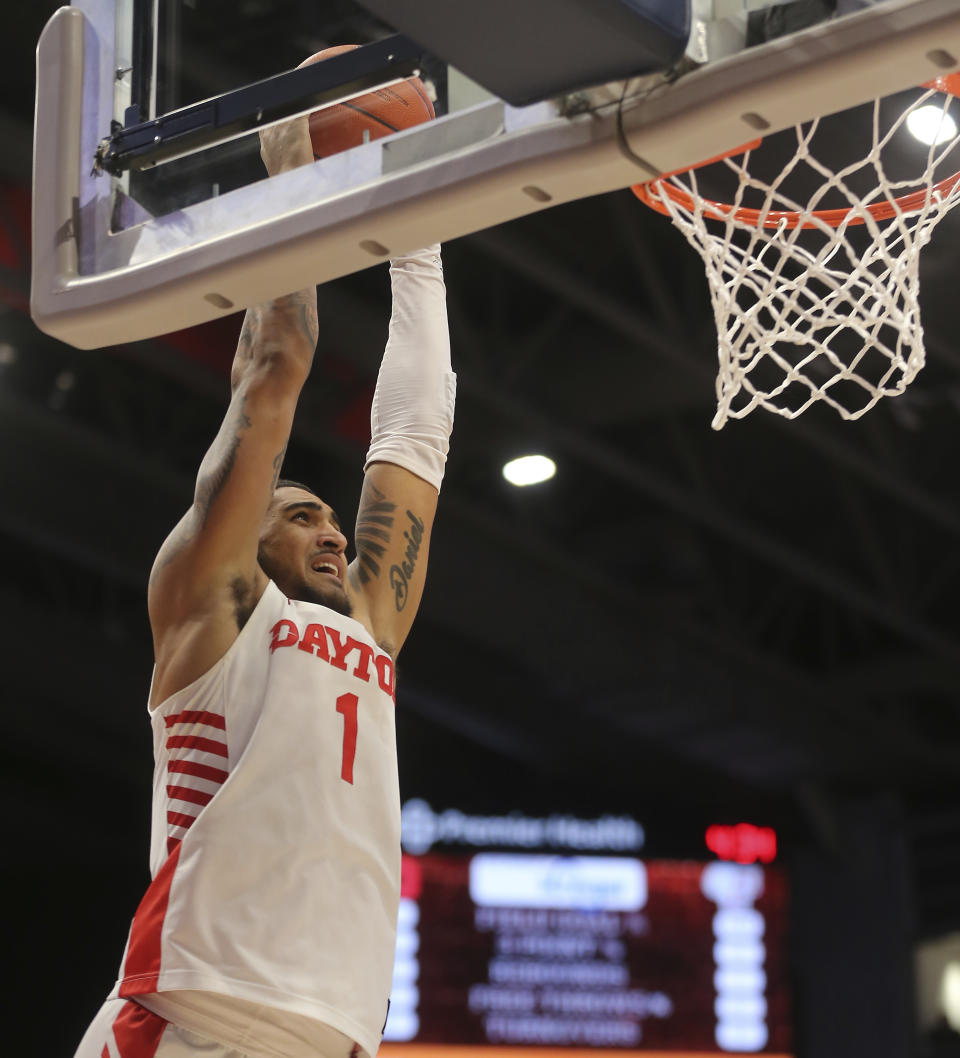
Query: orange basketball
x: 378, y: 113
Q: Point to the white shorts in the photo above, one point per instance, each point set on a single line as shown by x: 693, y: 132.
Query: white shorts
x: 124, y: 1029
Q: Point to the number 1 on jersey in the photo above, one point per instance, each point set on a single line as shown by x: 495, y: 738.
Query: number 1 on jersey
x: 347, y: 706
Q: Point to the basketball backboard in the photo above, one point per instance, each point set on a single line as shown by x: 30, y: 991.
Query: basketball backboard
x: 131, y: 255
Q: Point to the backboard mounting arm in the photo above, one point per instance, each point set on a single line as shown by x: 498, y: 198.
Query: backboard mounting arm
x: 143, y: 144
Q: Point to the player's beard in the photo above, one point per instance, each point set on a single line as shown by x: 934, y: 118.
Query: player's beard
x: 332, y: 596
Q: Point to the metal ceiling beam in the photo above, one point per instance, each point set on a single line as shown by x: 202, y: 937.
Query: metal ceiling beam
x: 93, y: 475
x: 786, y: 682
x: 606, y: 459
x: 612, y: 312
x: 649, y: 271
x: 612, y: 462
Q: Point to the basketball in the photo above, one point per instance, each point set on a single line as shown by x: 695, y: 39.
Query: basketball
x: 367, y: 117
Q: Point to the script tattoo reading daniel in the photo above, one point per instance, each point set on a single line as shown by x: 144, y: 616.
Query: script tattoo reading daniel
x: 400, y: 575
x: 373, y: 533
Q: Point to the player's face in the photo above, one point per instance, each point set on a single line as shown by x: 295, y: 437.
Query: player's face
x: 302, y: 549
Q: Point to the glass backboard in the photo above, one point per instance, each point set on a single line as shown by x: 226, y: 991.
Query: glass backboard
x: 151, y: 248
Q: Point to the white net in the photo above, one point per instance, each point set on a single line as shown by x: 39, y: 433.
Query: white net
x: 814, y: 270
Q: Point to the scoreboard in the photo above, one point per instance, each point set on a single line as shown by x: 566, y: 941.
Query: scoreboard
x: 555, y: 934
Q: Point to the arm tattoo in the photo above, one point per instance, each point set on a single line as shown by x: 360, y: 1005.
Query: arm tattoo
x: 267, y: 326
x: 308, y: 320
x: 374, y: 522
x: 400, y: 575
x: 277, y: 464
x: 209, y: 486
x: 181, y: 536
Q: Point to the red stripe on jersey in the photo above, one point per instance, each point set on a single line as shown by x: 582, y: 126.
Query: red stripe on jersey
x: 184, y: 793
x: 201, y: 771
x: 180, y: 819
x: 208, y: 745
x: 142, y: 965
x: 172, y: 843
x: 137, y: 1031
x: 195, y: 716
x: 104, y: 1053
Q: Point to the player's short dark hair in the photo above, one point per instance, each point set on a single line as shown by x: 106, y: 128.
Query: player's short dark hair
x: 288, y: 483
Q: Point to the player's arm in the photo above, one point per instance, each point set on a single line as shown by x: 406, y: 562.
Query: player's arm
x: 210, y: 558
x: 411, y: 420
x: 216, y: 541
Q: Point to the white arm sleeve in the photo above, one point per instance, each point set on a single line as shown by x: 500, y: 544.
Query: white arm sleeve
x: 412, y: 414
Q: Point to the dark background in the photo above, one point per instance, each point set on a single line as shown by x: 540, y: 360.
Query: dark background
x: 686, y: 626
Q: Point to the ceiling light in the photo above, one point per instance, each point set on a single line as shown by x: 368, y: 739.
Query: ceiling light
x: 529, y: 470
x: 950, y: 994
x: 931, y: 125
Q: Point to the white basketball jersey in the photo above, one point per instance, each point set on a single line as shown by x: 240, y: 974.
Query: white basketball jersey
x: 275, y: 849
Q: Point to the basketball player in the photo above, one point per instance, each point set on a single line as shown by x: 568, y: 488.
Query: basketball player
x: 268, y: 929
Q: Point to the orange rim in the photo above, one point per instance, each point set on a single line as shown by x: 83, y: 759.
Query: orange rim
x: 652, y: 192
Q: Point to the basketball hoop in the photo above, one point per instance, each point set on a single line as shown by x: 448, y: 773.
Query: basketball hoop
x: 817, y: 304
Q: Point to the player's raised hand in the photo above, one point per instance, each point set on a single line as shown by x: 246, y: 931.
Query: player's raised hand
x: 286, y: 146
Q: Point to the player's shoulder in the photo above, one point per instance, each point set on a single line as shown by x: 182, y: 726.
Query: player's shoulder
x: 192, y: 633
x: 172, y: 590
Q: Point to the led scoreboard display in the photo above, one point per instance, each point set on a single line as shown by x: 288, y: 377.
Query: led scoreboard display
x: 553, y: 933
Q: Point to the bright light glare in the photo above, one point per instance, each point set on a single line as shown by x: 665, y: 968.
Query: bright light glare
x: 529, y: 470
x: 931, y: 125
x: 950, y: 994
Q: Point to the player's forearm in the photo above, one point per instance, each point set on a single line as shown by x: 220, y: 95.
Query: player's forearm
x: 281, y: 334
x: 412, y: 413
x: 278, y: 335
